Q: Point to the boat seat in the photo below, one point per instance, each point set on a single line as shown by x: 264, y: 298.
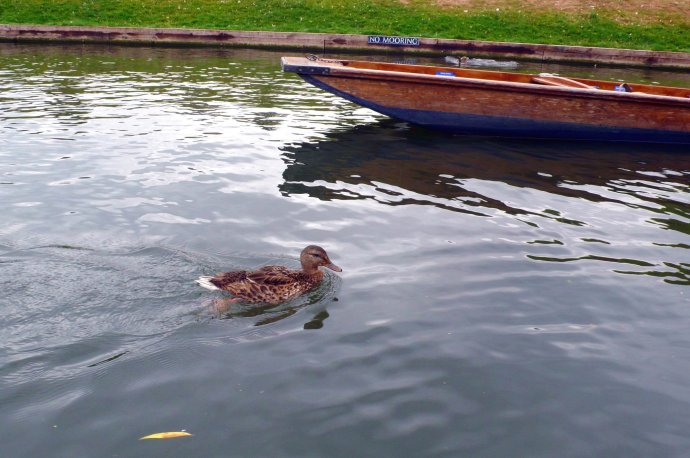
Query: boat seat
x: 560, y: 81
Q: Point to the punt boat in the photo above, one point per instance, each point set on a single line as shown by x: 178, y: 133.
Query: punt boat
x: 497, y: 103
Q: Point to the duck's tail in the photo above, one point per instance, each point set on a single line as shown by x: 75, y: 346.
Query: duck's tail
x: 205, y: 282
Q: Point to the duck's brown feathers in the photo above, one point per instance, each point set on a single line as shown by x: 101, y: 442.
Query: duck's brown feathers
x: 275, y: 284
x: 270, y: 284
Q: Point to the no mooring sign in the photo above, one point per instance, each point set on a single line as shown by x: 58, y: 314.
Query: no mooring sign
x: 392, y: 41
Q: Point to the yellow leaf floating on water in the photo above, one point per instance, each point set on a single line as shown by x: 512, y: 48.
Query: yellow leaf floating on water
x: 167, y: 435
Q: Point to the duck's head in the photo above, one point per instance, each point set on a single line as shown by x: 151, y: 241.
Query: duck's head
x: 314, y: 256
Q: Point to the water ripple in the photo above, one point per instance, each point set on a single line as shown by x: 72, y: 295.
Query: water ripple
x: 498, y: 297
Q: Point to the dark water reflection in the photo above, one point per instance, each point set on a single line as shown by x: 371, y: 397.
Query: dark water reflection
x: 498, y: 298
x: 394, y: 165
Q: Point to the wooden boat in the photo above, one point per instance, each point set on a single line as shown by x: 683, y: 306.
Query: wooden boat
x: 506, y: 104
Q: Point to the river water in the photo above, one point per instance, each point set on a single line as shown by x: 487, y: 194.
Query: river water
x: 498, y: 298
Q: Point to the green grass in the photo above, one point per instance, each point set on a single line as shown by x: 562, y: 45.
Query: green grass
x: 387, y: 17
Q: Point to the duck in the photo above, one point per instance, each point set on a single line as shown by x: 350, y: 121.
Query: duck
x: 273, y: 284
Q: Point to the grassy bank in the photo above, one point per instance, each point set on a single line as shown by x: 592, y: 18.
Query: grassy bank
x: 475, y: 20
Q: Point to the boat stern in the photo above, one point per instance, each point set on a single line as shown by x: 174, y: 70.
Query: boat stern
x: 304, y: 66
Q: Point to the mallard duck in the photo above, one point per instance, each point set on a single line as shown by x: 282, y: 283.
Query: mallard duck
x: 273, y: 284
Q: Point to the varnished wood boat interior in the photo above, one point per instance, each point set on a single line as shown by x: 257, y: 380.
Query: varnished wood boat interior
x: 488, y: 75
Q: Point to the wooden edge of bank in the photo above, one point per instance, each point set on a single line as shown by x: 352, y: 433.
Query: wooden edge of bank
x: 326, y: 42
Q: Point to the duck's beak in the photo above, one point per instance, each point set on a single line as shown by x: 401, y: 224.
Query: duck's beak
x: 333, y: 267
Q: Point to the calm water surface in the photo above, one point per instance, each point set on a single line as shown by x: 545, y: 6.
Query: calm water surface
x: 498, y: 299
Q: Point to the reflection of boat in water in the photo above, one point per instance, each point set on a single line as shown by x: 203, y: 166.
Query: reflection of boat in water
x: 414, y: 166
x: 570, y: 197
x: 504, y: 103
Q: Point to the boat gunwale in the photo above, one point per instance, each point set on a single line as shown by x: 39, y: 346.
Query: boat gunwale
x: 340, y: 68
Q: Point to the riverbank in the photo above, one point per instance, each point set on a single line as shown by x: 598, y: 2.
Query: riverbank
x: 659, y: 25
x: 324, y: 43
